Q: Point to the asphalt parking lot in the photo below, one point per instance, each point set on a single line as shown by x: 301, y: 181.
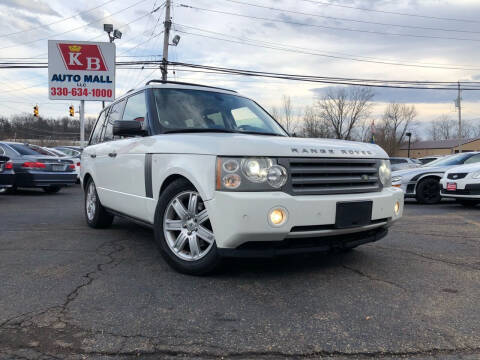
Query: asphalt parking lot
x: 68, y: 291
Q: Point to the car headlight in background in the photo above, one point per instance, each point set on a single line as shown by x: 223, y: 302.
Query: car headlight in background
x: 249, y: 174
x: 476, y: 175
x: 385, y: 173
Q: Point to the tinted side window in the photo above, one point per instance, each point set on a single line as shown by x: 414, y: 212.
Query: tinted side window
x: 2, y: 152
x: 97, y: 132
x: 115, y: 114
x: 136, y: 108
x: 473, y: 159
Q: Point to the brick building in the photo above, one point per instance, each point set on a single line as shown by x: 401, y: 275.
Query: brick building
x: 438, y: 147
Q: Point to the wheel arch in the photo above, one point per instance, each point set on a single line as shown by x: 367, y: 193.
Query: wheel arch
x: 425, y: 176
x: 170, y: 179
x: 86, y: 177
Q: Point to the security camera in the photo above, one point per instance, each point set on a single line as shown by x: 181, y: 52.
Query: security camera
x: 176, y: 40
x: 108, y: 28
x: 117, y: 34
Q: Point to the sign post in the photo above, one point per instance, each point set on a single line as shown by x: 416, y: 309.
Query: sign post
x: 81, y: 70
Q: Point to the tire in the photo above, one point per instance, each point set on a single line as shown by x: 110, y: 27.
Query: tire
x: 52, y: 189
x: 95, y: 214
x: 11, y: 190
x: 468, y: 203
x: 428, y: 191
x: 187, y: 243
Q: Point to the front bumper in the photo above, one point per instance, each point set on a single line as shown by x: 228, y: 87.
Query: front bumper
x: 239, y: 218
x: 43, y: 179
x: 466, y: 189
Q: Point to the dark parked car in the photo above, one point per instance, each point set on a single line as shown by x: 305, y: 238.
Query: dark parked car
x: 33, y: 169
x: 7, y: 175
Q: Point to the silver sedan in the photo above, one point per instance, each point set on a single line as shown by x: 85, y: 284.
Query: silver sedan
x: 423, y: 183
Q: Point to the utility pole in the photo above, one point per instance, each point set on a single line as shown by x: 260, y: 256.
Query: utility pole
x: 166, y: 37
x: 458, y: 104
x: 82, y: 123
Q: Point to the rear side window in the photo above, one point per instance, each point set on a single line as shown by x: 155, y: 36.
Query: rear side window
x: 2, y: 152
x: 97, y: 132
x: 115, y: 114
x: 136, y: 108
x: 24, y: 149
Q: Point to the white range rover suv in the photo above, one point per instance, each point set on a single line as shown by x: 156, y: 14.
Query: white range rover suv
x: 215, y: 175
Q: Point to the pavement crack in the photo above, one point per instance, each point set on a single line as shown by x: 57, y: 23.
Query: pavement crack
x: 90, y: 275
x: 370, y: 277
x: 469, y: 266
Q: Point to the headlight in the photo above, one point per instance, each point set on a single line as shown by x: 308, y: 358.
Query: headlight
x: 384, y: 173
x: 256, y: 170
x: 396, y: 179
x: 476, y: 175
x: 249, y: 174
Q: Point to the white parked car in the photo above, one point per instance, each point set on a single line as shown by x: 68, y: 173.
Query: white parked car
x: 215, y: 175
x: 463, y: 184
x: 423, y: 183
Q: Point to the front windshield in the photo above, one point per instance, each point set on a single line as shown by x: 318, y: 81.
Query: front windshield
x: 200, y: 110
x: 449, y: 160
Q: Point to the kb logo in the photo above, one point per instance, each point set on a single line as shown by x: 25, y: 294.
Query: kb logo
x: 82, y: 57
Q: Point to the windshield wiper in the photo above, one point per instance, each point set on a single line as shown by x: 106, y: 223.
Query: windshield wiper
x: 259, y: 133
x: 206, y: 130
x: 198, y: 130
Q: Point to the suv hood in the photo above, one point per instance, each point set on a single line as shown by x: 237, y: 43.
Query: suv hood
x: 263, y: 145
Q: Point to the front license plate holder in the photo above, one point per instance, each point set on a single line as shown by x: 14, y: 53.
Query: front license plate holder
x: 451, y: 186
x: 353, y: 214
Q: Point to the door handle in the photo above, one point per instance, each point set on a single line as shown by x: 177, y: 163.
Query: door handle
x: 93, y: 156
x: 112, y: 154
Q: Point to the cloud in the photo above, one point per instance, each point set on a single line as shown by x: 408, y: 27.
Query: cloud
x: 32, y: 6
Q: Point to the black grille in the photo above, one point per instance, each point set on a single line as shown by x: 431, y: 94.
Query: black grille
x: 318, y: 176
x: 456, y: 176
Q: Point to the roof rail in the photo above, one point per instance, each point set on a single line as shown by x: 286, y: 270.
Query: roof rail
x: 129, y: 91
x: 185, y: 83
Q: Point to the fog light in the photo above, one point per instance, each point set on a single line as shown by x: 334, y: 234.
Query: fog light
x: 396, y: 208
x: 277, y: 217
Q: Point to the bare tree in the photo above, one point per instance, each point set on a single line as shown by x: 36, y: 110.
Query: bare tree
x: 344, y: 108
x: 285, y: 115
x: 313, y: 125
x: 395, y: 122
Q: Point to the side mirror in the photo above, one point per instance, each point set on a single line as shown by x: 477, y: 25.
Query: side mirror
x: 128, y: 128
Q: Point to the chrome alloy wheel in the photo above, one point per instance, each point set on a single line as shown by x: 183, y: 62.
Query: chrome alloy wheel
x: 91, y: 203
x: 187, y: 227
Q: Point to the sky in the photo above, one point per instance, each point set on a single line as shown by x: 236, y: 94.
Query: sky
x: 435, y: 40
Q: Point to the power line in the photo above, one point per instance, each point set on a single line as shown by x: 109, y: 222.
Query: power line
x: 58, y: 21
x: 298, y: 50
x: 327, y: 27
x: 353, y: 20
x: 333, y: 80
x: 389, y: 12
x: 77, y: 28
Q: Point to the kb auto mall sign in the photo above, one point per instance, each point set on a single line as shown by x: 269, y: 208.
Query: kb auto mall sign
x: 80, y: 70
